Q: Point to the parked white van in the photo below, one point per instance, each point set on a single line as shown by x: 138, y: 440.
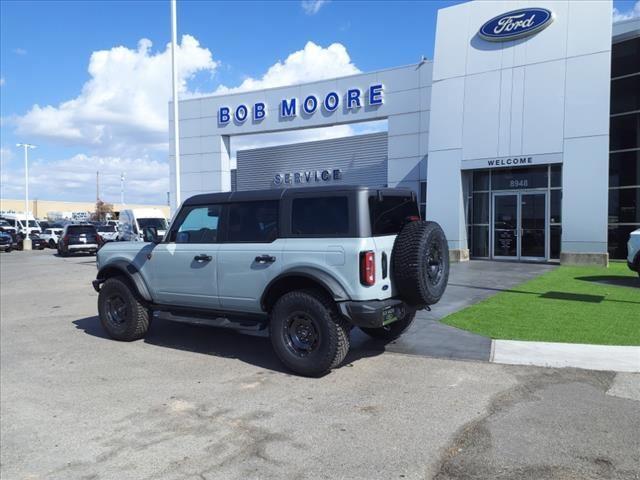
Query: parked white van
x: 134, y: 222
x: 17, y: 220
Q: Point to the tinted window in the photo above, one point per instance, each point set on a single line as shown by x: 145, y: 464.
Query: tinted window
x: 197, y: 225
x: 320, y: 216
x: 80, y: 229
x: 624, y: 132
x: 624, y: 169
x: 253, y: 222
x: 625, y: 57
x: 624, y: 205
x: 390, y: 214
x: 625, y: 94
x: 159, y: 223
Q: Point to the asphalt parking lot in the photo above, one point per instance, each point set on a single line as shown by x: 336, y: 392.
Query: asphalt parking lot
x: 193, y: 402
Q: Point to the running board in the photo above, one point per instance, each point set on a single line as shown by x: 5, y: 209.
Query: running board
x: 248, y: 327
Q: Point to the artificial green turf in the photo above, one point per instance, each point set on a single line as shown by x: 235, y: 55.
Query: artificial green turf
x: 567, y: 304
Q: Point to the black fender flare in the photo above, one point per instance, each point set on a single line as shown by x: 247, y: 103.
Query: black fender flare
x: 326, y: 280
x: 129, y: 270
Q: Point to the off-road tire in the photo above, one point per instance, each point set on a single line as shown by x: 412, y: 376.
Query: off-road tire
x: 332, y: 332
x: 62, y: 253
x: 133, y: 316
x: 393, y: 330
x: 420, y: 249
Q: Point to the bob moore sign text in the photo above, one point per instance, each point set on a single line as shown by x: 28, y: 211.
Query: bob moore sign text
x: 516, y: 24
x: 353, y: 99
x: 307, y: 177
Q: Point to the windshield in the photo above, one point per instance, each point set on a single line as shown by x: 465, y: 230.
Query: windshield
x: 34, y: 224
x: 80, y: 229
x: 390, y: 214
x: 107, y: 228
x: 157, y: 223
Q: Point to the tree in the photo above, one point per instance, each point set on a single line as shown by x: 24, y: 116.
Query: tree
x: 102, y: 209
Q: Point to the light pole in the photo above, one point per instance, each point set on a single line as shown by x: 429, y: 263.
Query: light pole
x: 26, y: 243
x: 174, y: 79
x: 122, y: 189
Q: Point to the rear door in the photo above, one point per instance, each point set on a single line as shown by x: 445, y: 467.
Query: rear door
x: 251, y: 254
x: 182, y: 270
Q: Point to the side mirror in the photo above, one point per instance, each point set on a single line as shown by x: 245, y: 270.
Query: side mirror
x: 150, y: 234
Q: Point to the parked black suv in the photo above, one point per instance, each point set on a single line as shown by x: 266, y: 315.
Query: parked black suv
x: 79, y: 238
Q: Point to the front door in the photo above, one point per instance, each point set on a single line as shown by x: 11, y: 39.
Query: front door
x: 183, y: 268
x: 505, y: 226
x: 533, y: 226
x: 520, y: 226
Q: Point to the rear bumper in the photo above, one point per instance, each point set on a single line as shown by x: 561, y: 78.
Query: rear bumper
x: 83, y: 246
x: 373, y: 313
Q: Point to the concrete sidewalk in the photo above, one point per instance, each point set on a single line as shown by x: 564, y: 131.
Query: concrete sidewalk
x: 545, y: 354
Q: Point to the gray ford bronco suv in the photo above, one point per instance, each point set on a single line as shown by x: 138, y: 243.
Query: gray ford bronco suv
x: 305, y: 265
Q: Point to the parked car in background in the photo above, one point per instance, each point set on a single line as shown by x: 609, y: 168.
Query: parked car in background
x: 17, y: 220
x: 5, y: 226
x: 51, y: 236
x: 134, y: 222
x: 109, y: 233
x: 633, y: 249
x: 37, y: 243
x: 6, y: 241
x: 76, y: 238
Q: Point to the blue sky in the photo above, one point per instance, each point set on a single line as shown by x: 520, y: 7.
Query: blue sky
x: 46, y: 50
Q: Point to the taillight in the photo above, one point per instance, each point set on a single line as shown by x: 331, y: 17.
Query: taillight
x: 98, y: 237
x: 367, y: 268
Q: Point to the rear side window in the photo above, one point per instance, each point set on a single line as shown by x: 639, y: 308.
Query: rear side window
x: 197, y: 225
x: 80, y: 229
x: 389, y: 214
x: 320, y: 216
x: 254, y: 222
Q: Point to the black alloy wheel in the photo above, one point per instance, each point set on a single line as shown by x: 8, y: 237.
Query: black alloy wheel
x: 301, y: 333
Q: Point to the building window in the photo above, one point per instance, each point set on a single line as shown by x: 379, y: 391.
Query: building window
x: 624, y: 156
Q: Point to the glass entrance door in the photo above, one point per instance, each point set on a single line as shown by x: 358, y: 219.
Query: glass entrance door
x: 505, y: 225
x: 533, y: 225
x: 520, y: 226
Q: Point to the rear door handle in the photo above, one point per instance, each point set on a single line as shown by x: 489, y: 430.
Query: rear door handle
x: 203, y: 258
x: 265, y: 259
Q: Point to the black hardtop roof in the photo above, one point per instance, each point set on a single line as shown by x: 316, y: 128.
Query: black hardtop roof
x: 277, y: 194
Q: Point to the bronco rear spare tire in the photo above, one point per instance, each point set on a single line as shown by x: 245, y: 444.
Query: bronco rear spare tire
x: 420, y: 263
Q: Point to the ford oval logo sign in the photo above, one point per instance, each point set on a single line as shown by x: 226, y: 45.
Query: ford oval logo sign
x: 516, y: 24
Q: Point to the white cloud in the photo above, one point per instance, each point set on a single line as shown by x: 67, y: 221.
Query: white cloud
x: 619, y: 16
x: 122, y: 108
x: 311, y: 63
x: 311, y: 7
x: 74, y: 178
x: 19, y: 51
x: 1, y: 81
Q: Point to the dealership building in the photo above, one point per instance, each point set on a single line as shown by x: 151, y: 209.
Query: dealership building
x: 521, y: 137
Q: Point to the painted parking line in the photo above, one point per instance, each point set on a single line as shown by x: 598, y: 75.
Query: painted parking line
x: 546, y: 354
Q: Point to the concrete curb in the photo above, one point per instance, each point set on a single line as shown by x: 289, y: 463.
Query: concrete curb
x: 545, y: 354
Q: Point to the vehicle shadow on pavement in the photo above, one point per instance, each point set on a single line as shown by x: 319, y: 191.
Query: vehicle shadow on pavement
x: 616, y: 280
x: 219, y: 342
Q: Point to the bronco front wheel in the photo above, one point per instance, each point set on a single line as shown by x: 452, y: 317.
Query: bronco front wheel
x: 307, y: 333
x: 122, y: 314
